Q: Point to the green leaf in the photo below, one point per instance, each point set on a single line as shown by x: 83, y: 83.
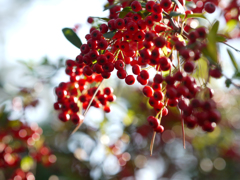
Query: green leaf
x: 109, y: 35
x: 26, y: 163
x: 107, y: 6
x: 231, y: 24
x: 180, y: 7
x: 214, y: 28
x: 211, y: 50
x: 104, y: 19
x: 228, y: 82
x: 124, y: 12
x: 174, y: 14
x: 236, y: 75
x: 72, y: 37
x: 196, y: 15
x: 221, y: 38
x: 143, y: 4
x: 233, y: 60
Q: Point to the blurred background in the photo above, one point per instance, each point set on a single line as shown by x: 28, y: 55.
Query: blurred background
x: 112, y: 146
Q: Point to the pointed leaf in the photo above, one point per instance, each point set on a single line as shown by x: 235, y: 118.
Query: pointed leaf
x: 196, y: 15
x: 221, y: 38
x: 72, y: 37
x: 174, y: 14
x: 233, y: 60
x: 103, y: 19
x: 109, y: 35
x: 106, y: 7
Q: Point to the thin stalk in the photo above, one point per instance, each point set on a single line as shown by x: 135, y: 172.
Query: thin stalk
x: 183, y: 133
x: 152, y: 142
x: 78, y: 126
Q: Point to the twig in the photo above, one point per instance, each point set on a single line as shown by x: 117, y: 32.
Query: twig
x: 78, y: 126
x: 152, y: 142
x: 231, y: 46
x: 183, y: 132
x: 175, y: 27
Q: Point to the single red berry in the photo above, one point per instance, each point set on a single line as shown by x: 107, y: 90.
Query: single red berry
x: 216, y: 73
x: 90, y: 20
x: 130, y: 79
x: 209, y: 7
x: 103, y: 28
x: 144, y: 74
x: 148, y: 91
x: 164, y: 111
x: 119, y: 64
x: 107, y: 109
x: 189, y: 66
x: 166, y: 4
x: 63, y: 116
x: 136, y: 69
x: 153, y: 122
x: 157, y: 8
x: 149, y: 6
x: 159, y: 129
x: 159, y: 42
x: 121, y: 74
x: 136, y: 6
x: 158, y: 95
x: 156, y: 86
x: 119, y: 23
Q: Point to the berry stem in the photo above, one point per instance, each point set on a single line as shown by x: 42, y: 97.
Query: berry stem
x: 80, y: 123
x: 183, y: 133
x: 152, y: 142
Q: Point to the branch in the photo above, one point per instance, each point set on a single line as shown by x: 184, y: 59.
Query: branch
x: 80, y: 123
x: 231, y: 46
x: 175, y: 27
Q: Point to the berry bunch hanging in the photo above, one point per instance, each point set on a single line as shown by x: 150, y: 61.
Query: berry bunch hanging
x: 146, y: 35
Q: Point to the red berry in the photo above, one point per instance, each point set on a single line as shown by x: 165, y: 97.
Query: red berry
x: 90, y: 20
x: 209, y: 7
x: 159, y: 129
x: 149, y: 6
x: 148, y: 91
x: 158, y: 95
x: 121, y: 74
x: 166, y: 4
x: 153, y: 122
x: 136, y: 6
x: 144, y: 74
x: 189, y: 66
x: 130, y: 79
x: 136, y: 69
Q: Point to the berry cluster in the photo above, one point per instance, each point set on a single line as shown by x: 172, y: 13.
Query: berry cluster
x: 80, y: 92
x: 144, y: 36
x: 19, y: 139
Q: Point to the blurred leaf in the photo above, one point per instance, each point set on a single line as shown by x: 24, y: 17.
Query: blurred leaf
x: 143, y: 4
x: 228, y: 82
x: 231, y: 24
x: 196, y: 15
x: 109, y: 35
x: 72, y: 37
x: 233, y: 60
x: 104, y: 19
x: 26, y: 163
x: 211, y: 50
x: 174, y: 14
x: 124, y: 12
x: 180, y: 7
x: 45, y: 61
x: 107, y: 6
x: 221, y: 38
x: 3, y: 116
x: 201, y: 70
x: 236, y: 75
